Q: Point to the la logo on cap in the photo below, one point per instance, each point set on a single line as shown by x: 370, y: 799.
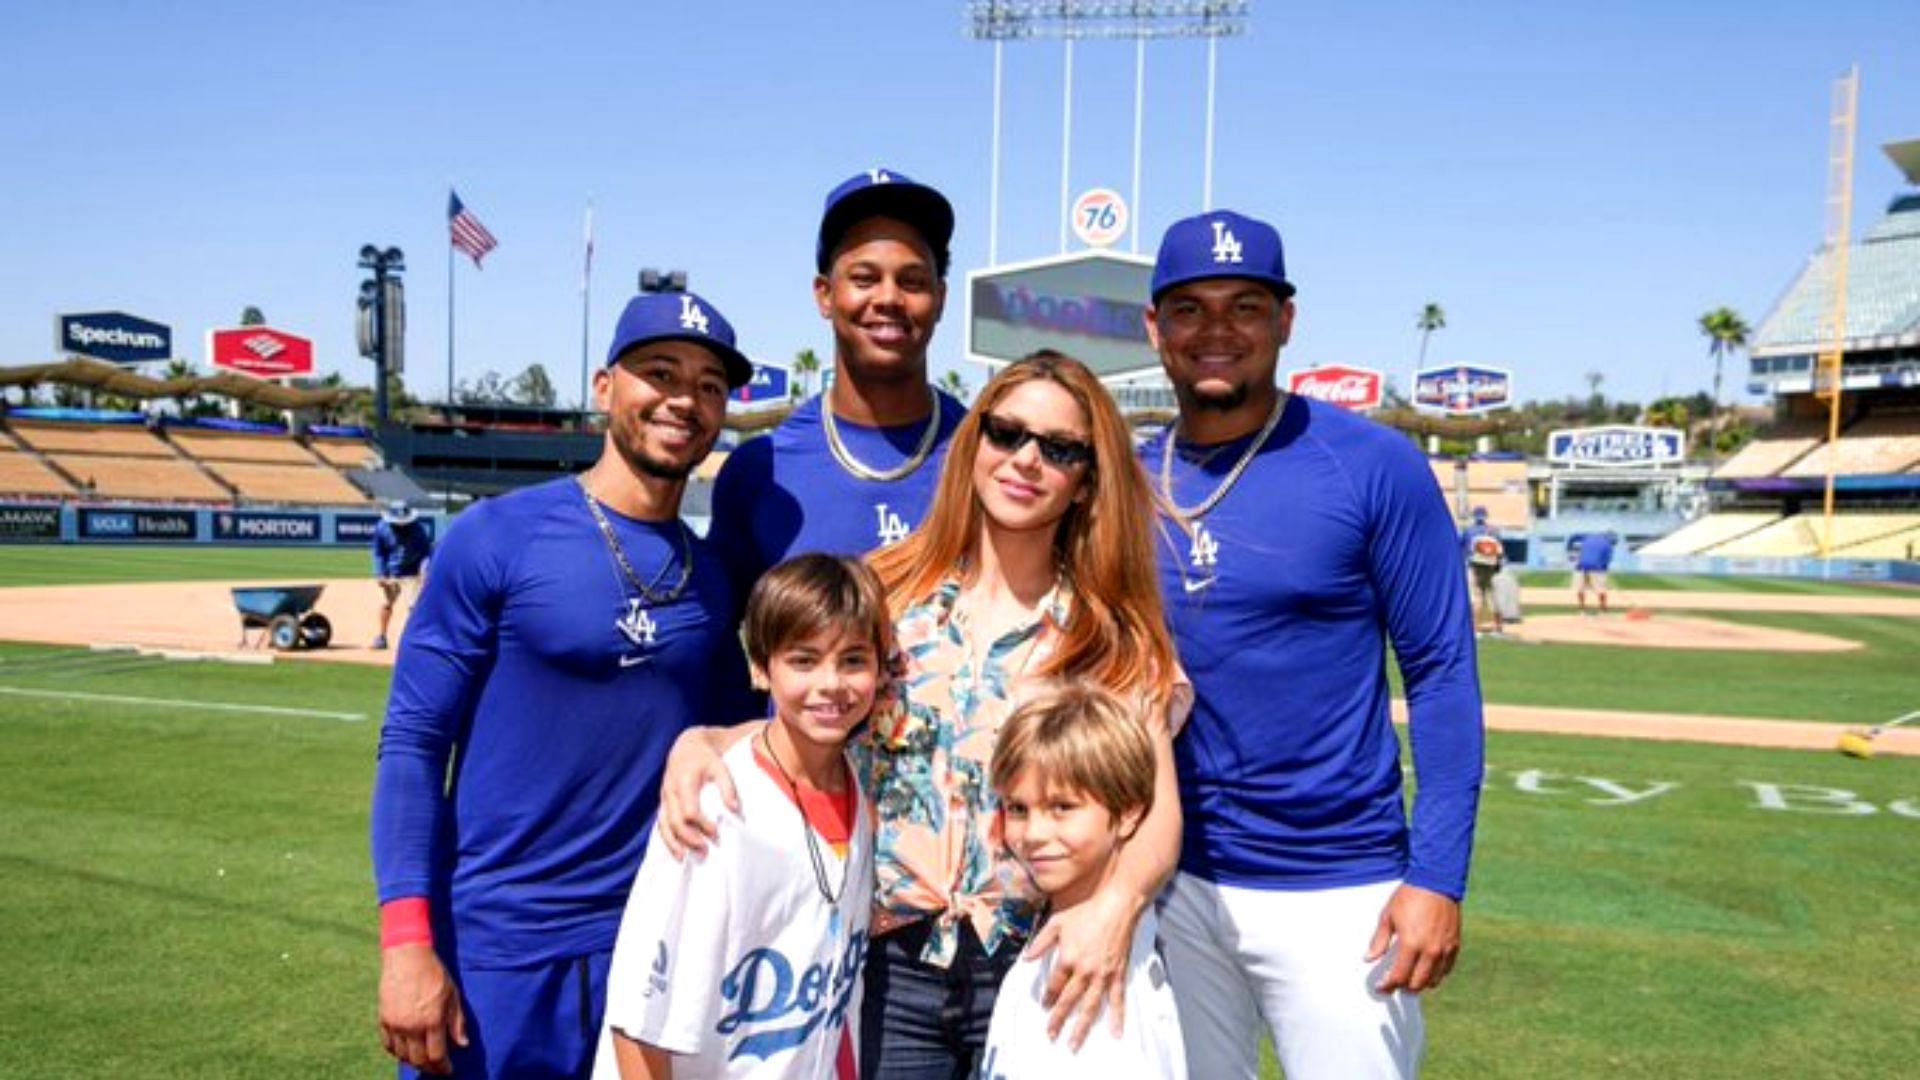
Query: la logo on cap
x: 691, y: 317
x: 879, y: 176
x: 1226, y: 247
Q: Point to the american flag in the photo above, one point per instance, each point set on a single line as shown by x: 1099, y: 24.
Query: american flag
x: 468, y: 234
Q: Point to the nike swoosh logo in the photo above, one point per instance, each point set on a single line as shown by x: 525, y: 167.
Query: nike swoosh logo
x: 1196, y: 586
x: 630, y: 661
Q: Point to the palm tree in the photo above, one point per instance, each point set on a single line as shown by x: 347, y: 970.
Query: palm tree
x: 1432, y: 317
x: 805, y: 364
x: 1726, y: 332
x: 953, y: 384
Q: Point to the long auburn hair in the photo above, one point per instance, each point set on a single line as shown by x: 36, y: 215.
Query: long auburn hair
x: 1116, y: 635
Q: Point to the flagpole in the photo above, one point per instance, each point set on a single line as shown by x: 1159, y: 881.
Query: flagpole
x: 449, y: 326
x: 586, y: 299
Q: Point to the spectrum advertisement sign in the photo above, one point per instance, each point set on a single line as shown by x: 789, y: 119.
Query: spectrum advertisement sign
x: 260, y: 351
x: 1089, y: 304
x: 113, y: 336
x: 1463, y: 390
x: 1615, y: 445
x: 1354, y: 388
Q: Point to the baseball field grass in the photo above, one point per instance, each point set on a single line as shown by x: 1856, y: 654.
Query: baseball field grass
x: 186, y: 891
x: 1867, y: 685
x: 70, y: 565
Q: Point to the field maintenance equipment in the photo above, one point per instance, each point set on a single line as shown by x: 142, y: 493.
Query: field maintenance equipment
x: 286, y: 613
x: 1860, y: 743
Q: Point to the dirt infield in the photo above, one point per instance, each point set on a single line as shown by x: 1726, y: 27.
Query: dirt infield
x: 200, y: 616
x: 1678, y: 727
x: 1662, y: 630
x: 1656, y: 600
x: 188, y: 615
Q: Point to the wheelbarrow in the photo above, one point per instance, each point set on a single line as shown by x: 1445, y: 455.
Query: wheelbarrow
x: 286, y: 613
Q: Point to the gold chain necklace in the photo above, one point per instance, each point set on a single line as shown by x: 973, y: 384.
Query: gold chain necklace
x: 859, y: 470
x: 1194, y: 513
x: 646, y: 589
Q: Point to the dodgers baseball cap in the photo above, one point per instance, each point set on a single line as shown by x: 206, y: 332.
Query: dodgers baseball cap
x: 679, y: 316
x: 885, y: 193
x: 1221, y: 244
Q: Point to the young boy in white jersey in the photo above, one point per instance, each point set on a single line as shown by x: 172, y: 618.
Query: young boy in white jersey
x: 747, y: 962
x: 1074, y: 771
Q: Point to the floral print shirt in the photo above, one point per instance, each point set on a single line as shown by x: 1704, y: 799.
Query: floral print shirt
x: 937, y: 851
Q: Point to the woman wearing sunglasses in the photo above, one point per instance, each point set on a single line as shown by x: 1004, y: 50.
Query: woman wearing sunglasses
x: 1035, y: 563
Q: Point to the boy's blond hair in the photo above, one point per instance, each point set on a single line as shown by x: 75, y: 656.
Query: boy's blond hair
x: 1082, y: 738
x: 808, y: 592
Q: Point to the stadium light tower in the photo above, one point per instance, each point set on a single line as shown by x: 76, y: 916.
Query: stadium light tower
x: 1001, y: 21
x: 382, y: 319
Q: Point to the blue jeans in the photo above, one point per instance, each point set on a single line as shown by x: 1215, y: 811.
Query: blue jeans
x: 921, y: 1022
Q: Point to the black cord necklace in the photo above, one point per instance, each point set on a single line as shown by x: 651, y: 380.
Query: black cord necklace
x: 814, y: 855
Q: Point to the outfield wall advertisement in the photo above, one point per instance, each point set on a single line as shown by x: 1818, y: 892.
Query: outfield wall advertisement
x: 45, y: 523
x: 29, y: 523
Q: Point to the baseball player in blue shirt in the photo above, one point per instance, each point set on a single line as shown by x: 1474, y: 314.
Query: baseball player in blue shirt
x: 853, y: 469
x: 401, y: 547
x: 1307, y: 540
x: 569, y: 632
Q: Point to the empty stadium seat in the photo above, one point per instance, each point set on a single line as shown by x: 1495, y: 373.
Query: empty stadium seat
x: 344, y: 453
x: 123, y: 440
x: 24, y: 474
x: 267, y: 482
x: 227, y: 446
x: 1774, y: 450
x: 1698, y: 536
x: 160, y: 479
x: 1874, y: 446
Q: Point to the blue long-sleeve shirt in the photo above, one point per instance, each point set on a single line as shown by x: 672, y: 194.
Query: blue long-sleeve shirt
x: 528, y: 667
x: 400, y: 550
x: 1333, y: 543
x: 785, y: 494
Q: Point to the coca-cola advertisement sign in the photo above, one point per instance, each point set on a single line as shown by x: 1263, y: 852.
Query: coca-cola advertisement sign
x: 260, y: 351
x: 1352, y: 388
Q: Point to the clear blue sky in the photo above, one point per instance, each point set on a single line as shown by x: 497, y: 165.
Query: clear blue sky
x: 1575, y: 184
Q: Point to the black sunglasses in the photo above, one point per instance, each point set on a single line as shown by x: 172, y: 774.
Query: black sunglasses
x: 1008, y: 436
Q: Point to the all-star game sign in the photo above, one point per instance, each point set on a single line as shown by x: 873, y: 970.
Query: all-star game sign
x: 1463, y: 389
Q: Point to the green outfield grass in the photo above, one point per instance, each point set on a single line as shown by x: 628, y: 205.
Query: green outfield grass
x: 1561, y: 579
x: 68, y: 564
x: 188, y: 895
x: 1863, y: 686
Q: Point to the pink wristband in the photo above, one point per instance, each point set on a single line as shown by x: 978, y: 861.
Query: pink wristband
x: 406, y: 921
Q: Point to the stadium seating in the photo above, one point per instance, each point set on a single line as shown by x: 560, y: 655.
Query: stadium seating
x: 1874, y: 446
x: 344, y: 453
x: 1697, y: 537
x: 271, y: 482
x: 125, y: 440
x: 224, y: 446
x: 24, y: 474
x: 1904, y: 544
x: 1778, y: 448
x: 168, y: 479
x: 1787, y: 537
